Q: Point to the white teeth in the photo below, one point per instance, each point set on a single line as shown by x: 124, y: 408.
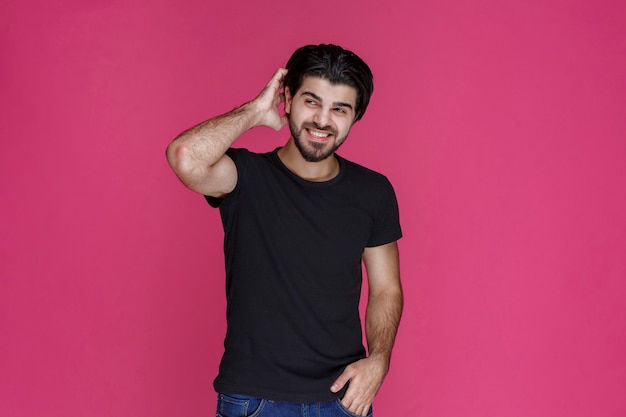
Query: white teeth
x: 319, y: 135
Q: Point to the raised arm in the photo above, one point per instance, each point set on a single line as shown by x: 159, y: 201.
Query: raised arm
x: 198, y: 155
x: 384, y: 308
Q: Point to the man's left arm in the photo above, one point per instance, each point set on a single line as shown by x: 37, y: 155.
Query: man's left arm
x: 384, y: 308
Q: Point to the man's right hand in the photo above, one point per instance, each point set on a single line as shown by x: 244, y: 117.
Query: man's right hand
x: 267, y: 105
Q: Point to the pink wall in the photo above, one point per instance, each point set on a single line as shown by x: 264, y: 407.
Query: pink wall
x: 501, y: 123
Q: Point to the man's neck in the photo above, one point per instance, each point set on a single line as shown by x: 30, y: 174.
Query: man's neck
x: 311, y: 171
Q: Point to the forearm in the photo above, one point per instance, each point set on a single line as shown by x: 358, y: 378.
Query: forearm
x: 199, y: 148
x: 383, y: 314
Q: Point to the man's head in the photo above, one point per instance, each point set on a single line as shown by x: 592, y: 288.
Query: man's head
x: 334, y: 64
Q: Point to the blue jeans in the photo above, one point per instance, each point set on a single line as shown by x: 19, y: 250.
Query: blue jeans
x: 231, y: 405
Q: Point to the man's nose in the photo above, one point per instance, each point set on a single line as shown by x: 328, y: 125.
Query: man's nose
x: 322, y: 117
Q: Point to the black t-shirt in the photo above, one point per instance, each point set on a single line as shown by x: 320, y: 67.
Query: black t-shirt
x: 293, y: 253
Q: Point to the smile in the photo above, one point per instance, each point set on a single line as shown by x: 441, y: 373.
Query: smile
x: 317, y: 135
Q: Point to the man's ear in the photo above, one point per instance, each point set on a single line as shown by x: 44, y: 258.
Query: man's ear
x: 288, y: 99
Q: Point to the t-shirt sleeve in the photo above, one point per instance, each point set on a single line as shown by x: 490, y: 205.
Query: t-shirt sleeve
x: 238, y: 156
x: 387, y: 217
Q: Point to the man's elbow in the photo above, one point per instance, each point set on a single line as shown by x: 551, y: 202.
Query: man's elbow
x: 178, y: 159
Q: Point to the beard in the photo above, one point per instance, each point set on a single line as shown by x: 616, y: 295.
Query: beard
x: 314, y: 151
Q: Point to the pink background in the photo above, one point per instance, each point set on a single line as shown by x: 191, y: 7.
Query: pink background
x: 501, y: 123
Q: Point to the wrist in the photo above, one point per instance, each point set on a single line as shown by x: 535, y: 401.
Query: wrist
x: 381, y: 358
x: 253, y: 114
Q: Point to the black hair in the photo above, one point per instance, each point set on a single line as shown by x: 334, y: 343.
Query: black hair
x: 335, y: 64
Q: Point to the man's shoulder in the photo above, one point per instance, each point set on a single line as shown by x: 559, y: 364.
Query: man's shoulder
x: 362, y: 172
x: 243, y: 155
x: 245, y: 152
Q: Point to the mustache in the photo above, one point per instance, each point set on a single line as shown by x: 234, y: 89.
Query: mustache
x: 313, y: 125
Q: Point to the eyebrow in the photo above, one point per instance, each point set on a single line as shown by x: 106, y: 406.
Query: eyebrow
x: 335, y: 104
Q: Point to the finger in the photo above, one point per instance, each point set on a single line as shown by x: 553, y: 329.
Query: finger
x: 357, y: 407
x: 340, y: 382
x: 279, y: 99
x: 277, y: 78
x: 348, y: 403
x: 351, y: 401
x: 281, y: 72
x: 363, y: 410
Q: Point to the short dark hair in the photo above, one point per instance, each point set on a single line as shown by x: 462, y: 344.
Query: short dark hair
x: 335, y: 64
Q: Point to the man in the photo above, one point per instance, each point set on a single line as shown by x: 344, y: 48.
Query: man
x: 298, y: 222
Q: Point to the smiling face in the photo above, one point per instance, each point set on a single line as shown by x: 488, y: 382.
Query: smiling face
x: 320, y: 116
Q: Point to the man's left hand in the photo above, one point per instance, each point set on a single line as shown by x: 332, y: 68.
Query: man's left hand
x: 365, y: 378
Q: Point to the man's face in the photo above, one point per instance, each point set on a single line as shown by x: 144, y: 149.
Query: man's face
x: 320, y: 116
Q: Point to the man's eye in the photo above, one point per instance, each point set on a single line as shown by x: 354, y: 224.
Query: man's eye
x: 340, y: 110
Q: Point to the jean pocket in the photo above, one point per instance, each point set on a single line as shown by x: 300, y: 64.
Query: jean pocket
x: 233, y: 405
x: 349, y: 413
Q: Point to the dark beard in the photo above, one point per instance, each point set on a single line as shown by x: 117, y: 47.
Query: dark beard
x: 316, y: 152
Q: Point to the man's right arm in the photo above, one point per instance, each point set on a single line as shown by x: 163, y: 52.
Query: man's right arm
x: 198, y: 155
